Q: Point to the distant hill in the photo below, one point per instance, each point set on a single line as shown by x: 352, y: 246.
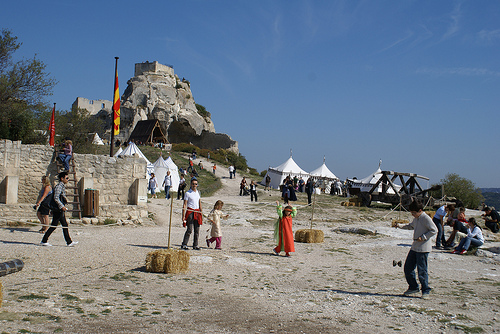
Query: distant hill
x: 491, y: 196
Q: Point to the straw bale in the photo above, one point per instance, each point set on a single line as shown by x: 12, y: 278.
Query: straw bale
x: 309, y: 236
x: 396, y: 222
x: 167, y: 261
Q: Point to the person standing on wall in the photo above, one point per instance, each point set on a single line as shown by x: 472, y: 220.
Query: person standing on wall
x: 58, y: 210
x: 192, y: 215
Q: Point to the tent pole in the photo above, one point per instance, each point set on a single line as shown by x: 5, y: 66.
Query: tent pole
x: 312, y: 212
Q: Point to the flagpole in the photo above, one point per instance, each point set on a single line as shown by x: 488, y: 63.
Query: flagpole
x: 52, y: 127
x: 113, y: 111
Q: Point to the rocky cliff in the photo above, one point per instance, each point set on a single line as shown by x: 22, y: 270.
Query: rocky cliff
x: 156, y: 92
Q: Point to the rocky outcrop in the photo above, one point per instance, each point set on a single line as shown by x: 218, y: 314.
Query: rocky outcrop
x: 156, y: 92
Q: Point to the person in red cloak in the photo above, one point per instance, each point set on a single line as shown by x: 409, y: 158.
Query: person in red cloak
x: 283, y: 234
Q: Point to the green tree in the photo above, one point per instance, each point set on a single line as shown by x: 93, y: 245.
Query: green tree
x: 24, y: 85
x: 79, y: 126
x: 463, y: 189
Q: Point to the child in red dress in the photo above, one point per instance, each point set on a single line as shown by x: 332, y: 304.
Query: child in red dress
x: 283, y: 233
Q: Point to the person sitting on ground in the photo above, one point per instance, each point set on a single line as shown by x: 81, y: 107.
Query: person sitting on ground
x: 491, y: 219
x: 474, y: 237
x: 459, y: 232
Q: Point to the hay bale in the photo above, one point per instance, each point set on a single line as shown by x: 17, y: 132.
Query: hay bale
x: 309, y: 236
x: 168, y: 261
x: 396, y: 222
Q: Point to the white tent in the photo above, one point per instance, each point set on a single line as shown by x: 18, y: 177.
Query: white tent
x: 161, y: 166
x: 278, y: 174
x: 325, y: 176
x: 97, y: 140
x: 367, y: 183
x: 131, y: 150
x: 323, y: 173
x: 120, y: 150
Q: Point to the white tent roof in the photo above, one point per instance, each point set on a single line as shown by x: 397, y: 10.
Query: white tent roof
x: 278, y: 174
x: 131, y: 150
x: 367, y: 183
x: 161, y: 166
x: 120, y: 150
x: 323, y: 172
x: 97, y: 140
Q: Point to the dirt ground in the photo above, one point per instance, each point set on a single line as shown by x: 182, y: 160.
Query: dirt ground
x: 347, y: 284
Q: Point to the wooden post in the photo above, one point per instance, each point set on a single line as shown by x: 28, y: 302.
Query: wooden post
x: 170, y: 220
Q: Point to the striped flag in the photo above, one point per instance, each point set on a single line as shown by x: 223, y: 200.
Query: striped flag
x: 52, y: 127
x: 116, y: 106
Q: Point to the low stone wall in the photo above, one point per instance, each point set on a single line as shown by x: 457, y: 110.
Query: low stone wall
x: 120, y: 181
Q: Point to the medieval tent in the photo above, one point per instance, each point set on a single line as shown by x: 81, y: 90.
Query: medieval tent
x: 161, y: 167
x: 148, y: 131
x: 324, y: 176
x: 367, y: 183
x: 132, y: 149
x: 97, y: 140
x: 278, y: 174
x: 120, y: 150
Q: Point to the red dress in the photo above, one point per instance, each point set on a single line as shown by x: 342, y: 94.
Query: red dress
x: 285, y: 241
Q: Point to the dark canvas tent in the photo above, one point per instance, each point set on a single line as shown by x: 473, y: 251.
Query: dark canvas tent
x: 149, y: 131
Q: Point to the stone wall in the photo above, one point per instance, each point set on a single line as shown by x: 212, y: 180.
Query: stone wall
x: 115, y: 178
x: 93, y: 106
x: 154, y: 67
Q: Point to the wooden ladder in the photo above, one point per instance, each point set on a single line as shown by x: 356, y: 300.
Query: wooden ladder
x: 72, y: 187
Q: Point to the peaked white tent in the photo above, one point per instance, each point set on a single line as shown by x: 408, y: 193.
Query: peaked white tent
x: 323, y: 172
x: 97, y: 140
x: 278, y: 174
x: 131, y: 150
x: 161, y: 166
x: 367, y: 183
x: 120, y: 150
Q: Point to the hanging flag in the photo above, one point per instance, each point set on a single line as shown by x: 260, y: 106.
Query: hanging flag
x: 52, y: 127
x: 116, y: 106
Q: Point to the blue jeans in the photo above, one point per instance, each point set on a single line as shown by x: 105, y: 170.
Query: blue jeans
x: 65, y: 158
x: 419, y: 261
x: 440, y: 235
x: 167, y: 192
x: 467, y: 241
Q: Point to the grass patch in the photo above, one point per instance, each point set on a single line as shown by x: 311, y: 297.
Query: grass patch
x: 123, y: 277
x: 69, y: 297
x: 467, y: 329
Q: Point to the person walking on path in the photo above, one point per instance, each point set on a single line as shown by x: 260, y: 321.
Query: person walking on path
x: 423, y: 230
x: 214, y: 167
x: 167, y: 183
x: 268, y: 182
x: 192, y: 215
x: 283, y: 234
x: 42, y: 209
x: 58, y: 212
x: 231, y: 170
x: 253, y: 191
x: 243, y: 184
x: 182, y: 186
x: 152, y: 185
x: 215, y: 217
x: 474, y: 237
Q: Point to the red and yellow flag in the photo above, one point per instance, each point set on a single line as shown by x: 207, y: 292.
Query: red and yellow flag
x: 52, y: 127
x: 116, y: 106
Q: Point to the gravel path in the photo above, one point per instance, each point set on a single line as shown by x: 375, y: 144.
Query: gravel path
x: 345, y: 285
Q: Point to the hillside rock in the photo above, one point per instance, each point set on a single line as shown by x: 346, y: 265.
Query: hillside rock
x: 156, y: 92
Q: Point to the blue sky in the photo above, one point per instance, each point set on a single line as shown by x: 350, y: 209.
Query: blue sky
x: 414, y: 83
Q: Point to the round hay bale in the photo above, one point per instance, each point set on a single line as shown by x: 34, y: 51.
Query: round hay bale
x: 168, y: 261
x: 309, y: 236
